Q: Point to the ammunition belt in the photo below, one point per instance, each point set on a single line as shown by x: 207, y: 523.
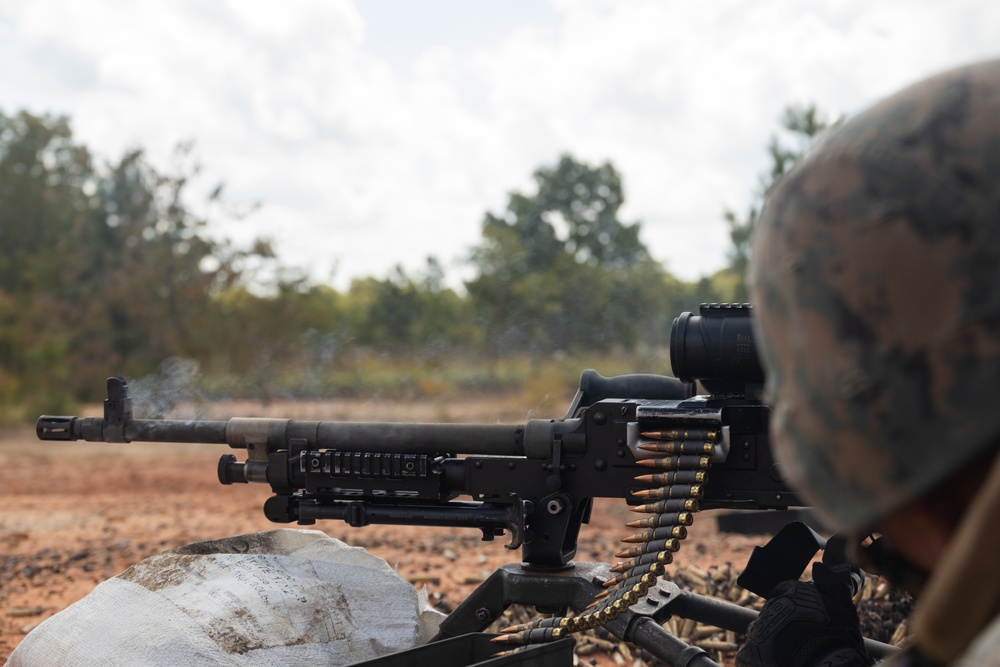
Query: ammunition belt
x: 677, y: 490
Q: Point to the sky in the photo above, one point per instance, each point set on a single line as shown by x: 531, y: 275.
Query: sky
x: 379, y: 132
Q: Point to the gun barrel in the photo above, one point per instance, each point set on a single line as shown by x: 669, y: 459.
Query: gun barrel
x: 490, y: 439
x: 389, y: 437
x: 96, y: 429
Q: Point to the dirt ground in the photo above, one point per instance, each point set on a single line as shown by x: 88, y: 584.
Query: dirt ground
x: 75, y: 514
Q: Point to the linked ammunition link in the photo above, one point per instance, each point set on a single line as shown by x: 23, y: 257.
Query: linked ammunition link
x: 677, y: 490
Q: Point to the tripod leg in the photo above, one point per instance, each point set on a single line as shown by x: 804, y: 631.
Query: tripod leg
x: 574, y: 589
x: 512, y: 584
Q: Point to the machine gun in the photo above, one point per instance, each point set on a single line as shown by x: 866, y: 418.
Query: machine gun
x: 648, y: 439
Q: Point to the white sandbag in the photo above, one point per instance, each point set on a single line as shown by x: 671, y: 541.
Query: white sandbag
x: 281, y: 597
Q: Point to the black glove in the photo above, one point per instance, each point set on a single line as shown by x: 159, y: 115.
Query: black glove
x: 807, y: 624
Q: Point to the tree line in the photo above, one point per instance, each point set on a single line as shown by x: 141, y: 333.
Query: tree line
x: 111, y: 267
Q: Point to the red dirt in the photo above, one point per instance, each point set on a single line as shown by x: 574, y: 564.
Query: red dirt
x: 75, y: 514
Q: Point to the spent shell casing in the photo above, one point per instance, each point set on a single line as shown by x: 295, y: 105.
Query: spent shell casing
x: 677, y: 447
x: 667, y: 505
x: 674, y: 477
x: 682, y: 462
x: 682, y: 434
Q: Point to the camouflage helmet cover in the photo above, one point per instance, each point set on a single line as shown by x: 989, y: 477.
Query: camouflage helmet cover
x: 876, y: 280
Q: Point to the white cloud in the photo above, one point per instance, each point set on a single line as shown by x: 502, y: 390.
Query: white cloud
x: 367, y: 161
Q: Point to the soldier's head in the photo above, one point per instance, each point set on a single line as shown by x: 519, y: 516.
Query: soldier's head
x: 876, y: 280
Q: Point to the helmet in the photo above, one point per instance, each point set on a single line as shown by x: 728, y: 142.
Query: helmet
x: 876, y: 280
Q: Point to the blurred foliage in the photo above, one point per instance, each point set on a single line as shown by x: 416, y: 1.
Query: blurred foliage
x: 801, y: 126
x: 103, y: 266
x: 115, y: 267
x: 558, y: 270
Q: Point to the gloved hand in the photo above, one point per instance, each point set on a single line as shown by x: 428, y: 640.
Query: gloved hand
x: 807, y: 624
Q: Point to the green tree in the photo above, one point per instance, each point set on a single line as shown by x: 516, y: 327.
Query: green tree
x: 800, y: 127
x: 104, y: 268
x: 45, y: 179
x: 285, y: 338
x: 558, y: 269
x: 408, y: 312
x: 42, y: 174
